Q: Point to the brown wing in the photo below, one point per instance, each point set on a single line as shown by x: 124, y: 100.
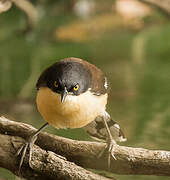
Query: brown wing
x: 97, y: 130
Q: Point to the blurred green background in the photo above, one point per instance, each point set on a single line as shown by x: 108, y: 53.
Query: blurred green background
x: 133, y: 50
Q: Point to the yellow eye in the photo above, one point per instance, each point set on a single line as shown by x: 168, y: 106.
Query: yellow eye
x: 76, y: 87
x: 55, y: 84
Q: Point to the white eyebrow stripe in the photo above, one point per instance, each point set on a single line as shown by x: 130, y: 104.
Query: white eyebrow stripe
x: 105, y: 83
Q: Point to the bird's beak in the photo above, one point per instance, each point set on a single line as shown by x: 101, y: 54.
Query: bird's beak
x: 64, y: 94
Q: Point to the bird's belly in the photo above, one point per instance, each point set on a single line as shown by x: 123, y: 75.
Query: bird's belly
x: 75, y: 112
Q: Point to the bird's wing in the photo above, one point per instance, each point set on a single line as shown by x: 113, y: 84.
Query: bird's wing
x: 97, y: 130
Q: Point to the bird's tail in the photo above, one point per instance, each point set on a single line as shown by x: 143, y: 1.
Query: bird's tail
x: 97, y: 130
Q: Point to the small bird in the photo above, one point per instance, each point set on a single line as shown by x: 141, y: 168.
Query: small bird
x: 73, y: 93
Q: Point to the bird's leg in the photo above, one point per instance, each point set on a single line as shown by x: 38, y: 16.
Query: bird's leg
x: 111, y: 143
x: 28, y: 144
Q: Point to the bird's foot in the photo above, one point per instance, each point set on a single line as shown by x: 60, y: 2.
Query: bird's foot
x: 110, y: 149
x: 23, y: 149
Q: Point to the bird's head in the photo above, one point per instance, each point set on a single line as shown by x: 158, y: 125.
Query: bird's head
x: 66, y: 77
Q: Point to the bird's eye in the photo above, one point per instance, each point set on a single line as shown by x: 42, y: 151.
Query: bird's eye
x: 76, y: 87
x: 55, y: 84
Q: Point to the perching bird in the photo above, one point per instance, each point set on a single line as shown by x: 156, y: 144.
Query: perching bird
x: 72, y: 93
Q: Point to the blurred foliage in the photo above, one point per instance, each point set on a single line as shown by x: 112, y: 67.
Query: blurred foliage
x: 153, y: 86
x: 136, y: 61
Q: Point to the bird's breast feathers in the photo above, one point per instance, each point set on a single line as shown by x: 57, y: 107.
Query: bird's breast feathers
x: 74, y: 112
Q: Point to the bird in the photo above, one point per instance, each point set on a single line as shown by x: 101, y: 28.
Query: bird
x: 73, y: 93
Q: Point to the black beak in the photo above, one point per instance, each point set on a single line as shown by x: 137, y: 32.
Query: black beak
x: 64, y: 94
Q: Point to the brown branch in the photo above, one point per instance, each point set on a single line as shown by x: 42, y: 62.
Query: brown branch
x: 162, y: 5
x: 44, y: 164
x: 31, y: 12
x: 129, y: 160
x: 5, y: 5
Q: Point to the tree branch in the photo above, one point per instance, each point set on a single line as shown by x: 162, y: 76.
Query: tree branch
x: 44, y: 164
x: 31, y: 12
x: 162, y: 5
x: 129, y: 160
x: 5, y: 5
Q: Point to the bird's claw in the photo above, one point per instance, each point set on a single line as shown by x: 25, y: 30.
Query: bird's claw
x: 23, y: 149
x: 111, y: 150
x: 110, y: 147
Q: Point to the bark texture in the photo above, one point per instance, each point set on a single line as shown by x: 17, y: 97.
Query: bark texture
x: 85, y: 154
x: 44, y: 164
